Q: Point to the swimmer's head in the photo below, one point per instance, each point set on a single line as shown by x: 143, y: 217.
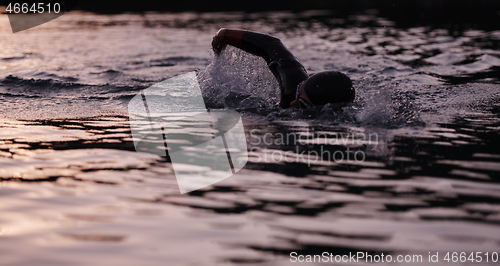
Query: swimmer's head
x: 328, y: 87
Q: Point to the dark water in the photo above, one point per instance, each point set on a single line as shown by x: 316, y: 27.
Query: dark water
x: 422, y: 139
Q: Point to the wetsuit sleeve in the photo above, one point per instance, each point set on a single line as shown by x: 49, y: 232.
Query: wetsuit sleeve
x: 285, y: 67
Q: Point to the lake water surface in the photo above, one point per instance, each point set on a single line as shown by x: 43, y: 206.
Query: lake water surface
x: 422, y: 138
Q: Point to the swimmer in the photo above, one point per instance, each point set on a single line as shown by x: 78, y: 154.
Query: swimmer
x: 298, y: 89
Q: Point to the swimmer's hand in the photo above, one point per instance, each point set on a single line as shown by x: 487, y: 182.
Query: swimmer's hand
x: 217, y: 44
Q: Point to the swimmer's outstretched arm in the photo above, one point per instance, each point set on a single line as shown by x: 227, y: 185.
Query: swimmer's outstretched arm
x: 266, y: 46
x: 285, y: 67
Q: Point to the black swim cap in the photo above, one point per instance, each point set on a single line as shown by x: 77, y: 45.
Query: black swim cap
x: 329, y: 87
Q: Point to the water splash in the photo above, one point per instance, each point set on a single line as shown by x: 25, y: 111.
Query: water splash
x: 237, y: 79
